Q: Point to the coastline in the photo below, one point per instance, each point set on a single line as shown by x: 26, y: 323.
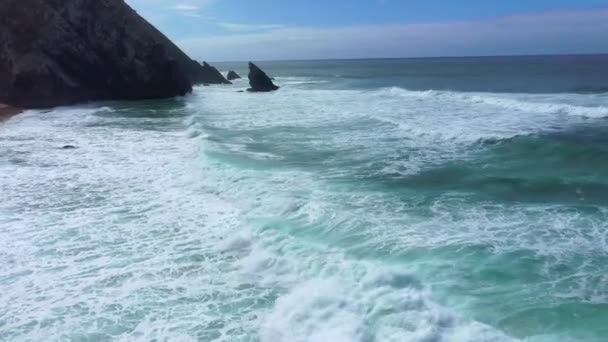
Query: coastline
x: 6, y: 112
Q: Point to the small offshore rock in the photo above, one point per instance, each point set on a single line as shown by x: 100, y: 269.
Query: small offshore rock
x: 232, y: 75
x: 212, y: 76
x: 259, y: 81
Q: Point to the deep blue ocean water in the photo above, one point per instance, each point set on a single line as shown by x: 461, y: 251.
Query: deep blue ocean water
x: 444, y: 199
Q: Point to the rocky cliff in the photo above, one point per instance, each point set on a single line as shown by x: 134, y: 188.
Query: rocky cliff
x: 59, y: 52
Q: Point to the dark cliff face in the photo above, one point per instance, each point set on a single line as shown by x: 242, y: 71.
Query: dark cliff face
x: 59, y: 52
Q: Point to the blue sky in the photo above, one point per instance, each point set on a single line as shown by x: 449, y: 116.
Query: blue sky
x: 222, y: 30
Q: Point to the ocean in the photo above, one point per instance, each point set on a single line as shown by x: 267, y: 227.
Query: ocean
x: 442, y: 199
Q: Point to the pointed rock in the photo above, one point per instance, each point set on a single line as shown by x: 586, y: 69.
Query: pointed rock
x: 212, y: 76
x: 232, y: 75
x: 259, y: 81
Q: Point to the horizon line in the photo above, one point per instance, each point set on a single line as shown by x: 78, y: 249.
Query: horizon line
x: 413, y: 58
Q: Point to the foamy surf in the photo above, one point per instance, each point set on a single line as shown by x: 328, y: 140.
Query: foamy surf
x: 324, y: 211
x: 515, y: 102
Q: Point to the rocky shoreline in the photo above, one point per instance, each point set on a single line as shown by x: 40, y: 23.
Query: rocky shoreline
x: 56, y: 53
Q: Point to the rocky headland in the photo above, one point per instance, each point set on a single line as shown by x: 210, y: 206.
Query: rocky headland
x: 57, y: 52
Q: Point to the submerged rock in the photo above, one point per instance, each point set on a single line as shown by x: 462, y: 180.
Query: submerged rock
x: 212, y: 76
x: 259, y: 81
x: 232, y: 75
x: 58, y: 52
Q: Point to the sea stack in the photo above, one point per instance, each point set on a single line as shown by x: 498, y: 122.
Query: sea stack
x: 232, y: 75
x: 212, y: 76
x: 259, y: 81
x: 58, y: 52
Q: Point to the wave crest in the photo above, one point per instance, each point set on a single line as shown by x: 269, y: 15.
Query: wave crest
x: 518, y: 102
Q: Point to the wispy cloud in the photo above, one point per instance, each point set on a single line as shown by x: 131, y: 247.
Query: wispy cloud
x: 234, y: 27
x: 188, y: 10
x: 582, y: 31
x: 185, y: 7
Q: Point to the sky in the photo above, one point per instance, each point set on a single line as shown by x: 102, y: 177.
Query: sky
x: 238, y: 30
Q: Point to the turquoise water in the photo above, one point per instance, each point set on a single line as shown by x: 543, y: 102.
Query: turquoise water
x: 401, y: 200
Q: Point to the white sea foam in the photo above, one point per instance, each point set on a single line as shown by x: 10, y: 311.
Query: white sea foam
x: 105, y: 241
x: 371, y: 309
x: 145, y: 232
x: 288, y: 81
x: 515, y: 102
x: 378, y: 125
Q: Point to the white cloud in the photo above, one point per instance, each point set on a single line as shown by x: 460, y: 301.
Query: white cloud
x: 234, y: 27
x: 158, y: 10
x: 192, y: 14
x: 552, y: 32
x: 185, y: 7
x: 181, y: 5
x: 190, y: 10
